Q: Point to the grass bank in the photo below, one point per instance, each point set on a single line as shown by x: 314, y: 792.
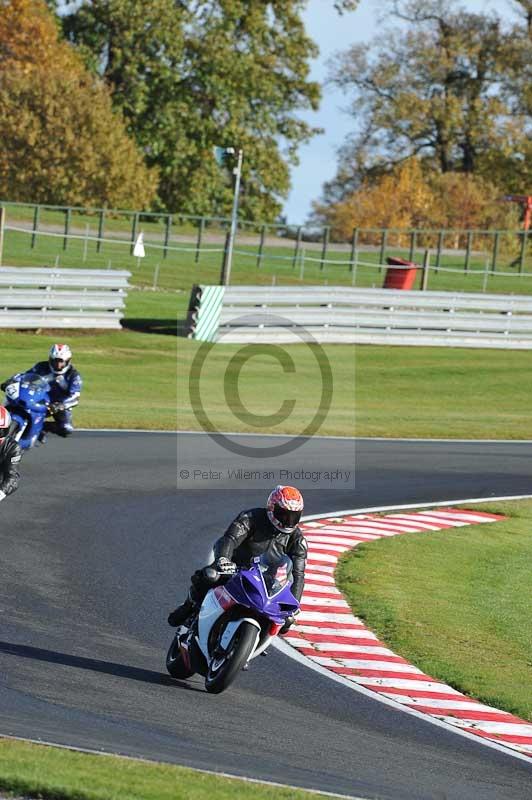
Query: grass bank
x: 129, y: 378
x: 142, y: 380
x: 184, y: 265
x: 56, y: 774
x: 456, y: 603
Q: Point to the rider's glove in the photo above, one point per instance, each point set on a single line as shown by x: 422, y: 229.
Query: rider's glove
x: 225, y: 566
x: 55, y: 407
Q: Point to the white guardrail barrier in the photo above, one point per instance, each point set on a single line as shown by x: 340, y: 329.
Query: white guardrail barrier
x: 284, y: 314
x: 47, y: 297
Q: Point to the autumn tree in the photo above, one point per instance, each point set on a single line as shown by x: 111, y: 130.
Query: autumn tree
x: 448, y: 86
x: 61, y: 140
x: 408, y: 198
x: 192, y: 76
x: 466, y: 202
x: 400, y: 199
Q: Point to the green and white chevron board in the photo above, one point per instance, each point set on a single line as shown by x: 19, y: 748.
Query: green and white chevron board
x: 208, y: 313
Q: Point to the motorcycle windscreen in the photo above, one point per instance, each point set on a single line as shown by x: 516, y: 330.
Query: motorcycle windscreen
x: 33, y: 383
x: 276, y: 572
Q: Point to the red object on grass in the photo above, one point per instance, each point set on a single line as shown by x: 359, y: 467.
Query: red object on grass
x: 400, y: 278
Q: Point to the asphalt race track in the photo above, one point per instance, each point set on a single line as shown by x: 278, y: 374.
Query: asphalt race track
x: 98, y: 545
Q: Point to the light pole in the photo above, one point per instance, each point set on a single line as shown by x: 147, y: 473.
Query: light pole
x: 228, y: 256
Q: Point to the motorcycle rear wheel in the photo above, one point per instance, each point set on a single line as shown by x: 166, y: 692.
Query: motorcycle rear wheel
x: 175, y: 663
x: 238, y: 652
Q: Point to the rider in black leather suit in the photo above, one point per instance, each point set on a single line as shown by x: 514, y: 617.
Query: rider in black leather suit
x: 273, y: 529
x: 10, y: 456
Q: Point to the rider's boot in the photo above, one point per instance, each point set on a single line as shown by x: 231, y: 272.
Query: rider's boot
x: 42, y: 437
x: 63, y: 420
x: 181, y: 613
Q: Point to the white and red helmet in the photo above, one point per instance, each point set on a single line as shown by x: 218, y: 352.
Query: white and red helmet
x: 59, y: 358
x: 284, y: 508
x: 5, y: 422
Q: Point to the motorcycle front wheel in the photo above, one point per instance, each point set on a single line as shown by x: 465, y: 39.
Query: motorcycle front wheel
x: 223, y: 671
x: 175, y: 663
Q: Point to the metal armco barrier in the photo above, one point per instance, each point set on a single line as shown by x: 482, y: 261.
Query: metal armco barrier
x: 32, y: 297
x: 278, y: 314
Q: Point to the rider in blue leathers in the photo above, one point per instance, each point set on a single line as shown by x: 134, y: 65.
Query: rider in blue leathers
x: 65, y: 388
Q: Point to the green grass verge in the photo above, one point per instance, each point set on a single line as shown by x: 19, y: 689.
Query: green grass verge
x: 138, y: 380
x: 456, y: 603
x: 443, y: 392
x: 410, y: 392
x: 51, y: 773
x: 413, y: 392
x: 182, y: 267
x: 156, y: 311
x: 129, y: 378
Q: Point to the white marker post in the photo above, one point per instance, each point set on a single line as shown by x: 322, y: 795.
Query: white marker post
x: 138, y: 249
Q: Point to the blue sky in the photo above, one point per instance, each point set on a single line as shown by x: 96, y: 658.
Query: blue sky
x: 334, y: 33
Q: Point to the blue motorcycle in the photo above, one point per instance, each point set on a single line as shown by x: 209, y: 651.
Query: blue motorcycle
x: 28, y: 401
x: 236, y: 622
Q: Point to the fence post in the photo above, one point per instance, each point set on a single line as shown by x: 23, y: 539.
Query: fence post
x: 495, y: 256
x: 354, y: 250
x: 2, y: 223
x: 86, y: 242
x: 326, y: 233
x: 468, y: 251
x: 438, y: 251
x: 167, y: 234
x: 68, y: 215
x: 485, y: 278
x: 298, y: 245
x: 302, y: 264
x: 426, y: 268
x: 382, y: 254
x: 524, y: 238
x: 134, y: 227
x: 261, y: 246
x: 100, y: 231
x: 36, y: 215
x: 200, y: 237
x: 413, y: 237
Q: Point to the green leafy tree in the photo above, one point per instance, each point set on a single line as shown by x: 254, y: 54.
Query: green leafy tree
x: 191, y: 76
x: 443, y: 88
x: 62, y: 142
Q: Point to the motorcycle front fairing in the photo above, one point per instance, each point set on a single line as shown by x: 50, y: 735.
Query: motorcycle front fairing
x: 27, y: 399
x: 249, y: 589
x: 259, y: 595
